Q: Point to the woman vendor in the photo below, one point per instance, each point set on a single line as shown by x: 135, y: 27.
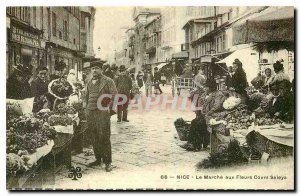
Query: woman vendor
x: 239, y: 80
x: 215, y: 100
x: 281, y: 105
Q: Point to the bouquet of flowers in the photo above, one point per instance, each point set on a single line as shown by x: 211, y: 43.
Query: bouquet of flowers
x: 61, y: 88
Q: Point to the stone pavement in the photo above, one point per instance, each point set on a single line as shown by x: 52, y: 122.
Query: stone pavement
x: 148, y: 142
x: 146, y: 155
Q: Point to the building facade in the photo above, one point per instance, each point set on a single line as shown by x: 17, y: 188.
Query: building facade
x: 47, y: 35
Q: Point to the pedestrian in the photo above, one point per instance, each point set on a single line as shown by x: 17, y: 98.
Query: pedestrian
x: 148, y: 79
x: 163, y: 79
x: 198, y: 137
x: 139, y: 79
x: 39, y: 89
x: 239, y: 80
x: 157, y: 77
x: 135, y: 90
x: 108, y: 72
x: 124, y: 85
x: 98, y: 118
x: 17, y: 85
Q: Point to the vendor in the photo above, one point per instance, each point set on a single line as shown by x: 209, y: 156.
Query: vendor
x: 39, y: 88
x: 280, y: 75
x: 198, y: 136
x: 215, y: 100
x: 17, y: 85
x: 239, y: 80
x: 268, y: 79
x: 282, y: 102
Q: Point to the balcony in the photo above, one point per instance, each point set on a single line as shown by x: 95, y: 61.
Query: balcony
x: 151, y: 50
x: 185, y: 46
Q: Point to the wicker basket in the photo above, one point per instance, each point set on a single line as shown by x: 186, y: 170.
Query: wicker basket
x: 183, y: 131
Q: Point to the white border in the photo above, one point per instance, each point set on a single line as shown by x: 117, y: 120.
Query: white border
x: 110, y: 3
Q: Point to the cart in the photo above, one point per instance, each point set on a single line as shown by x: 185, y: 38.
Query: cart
x: 184, y: 83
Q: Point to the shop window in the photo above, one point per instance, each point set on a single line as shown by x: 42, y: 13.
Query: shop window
x: 53, y: 24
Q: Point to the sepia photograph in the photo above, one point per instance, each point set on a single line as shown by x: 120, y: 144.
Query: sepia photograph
x: 150, y: 98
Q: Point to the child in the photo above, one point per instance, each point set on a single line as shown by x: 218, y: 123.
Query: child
x: 198, y: 135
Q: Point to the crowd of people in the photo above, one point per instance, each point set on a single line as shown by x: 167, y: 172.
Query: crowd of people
x: 277, y: 98
x: 106, y: 79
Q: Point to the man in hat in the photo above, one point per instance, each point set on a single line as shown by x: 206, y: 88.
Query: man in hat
x: 59, y: 70
x: 17, y: 85
x: 39, y: 88
x: 124, y: 85
x: 98, y: 116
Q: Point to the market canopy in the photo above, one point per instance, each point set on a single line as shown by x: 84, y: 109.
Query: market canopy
x: 249, y: 59
x: 271, y: 24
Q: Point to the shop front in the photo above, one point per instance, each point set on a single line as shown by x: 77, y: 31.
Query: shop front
x: 24, y: 46
x: 56, y: 53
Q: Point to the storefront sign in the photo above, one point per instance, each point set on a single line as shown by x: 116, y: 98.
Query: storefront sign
x: 24, y: 37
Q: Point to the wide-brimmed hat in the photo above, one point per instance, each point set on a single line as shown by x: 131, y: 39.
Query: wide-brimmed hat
x: 122, y: 68
x: 96, y: 64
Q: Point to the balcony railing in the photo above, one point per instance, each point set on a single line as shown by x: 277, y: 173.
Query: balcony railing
x: 185, y: 47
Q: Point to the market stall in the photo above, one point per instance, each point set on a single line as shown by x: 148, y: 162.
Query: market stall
x: 39, y: 144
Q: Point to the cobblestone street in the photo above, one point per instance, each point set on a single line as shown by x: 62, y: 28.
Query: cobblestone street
x: 146, y: 154
x: 149, y: 142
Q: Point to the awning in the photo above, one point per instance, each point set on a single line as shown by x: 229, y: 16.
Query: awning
x: 249, y: 59
x: 181, y: 55
x: 271, y: 24
x: 161, y: 65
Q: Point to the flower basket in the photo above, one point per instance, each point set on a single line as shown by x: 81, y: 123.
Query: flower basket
x: 61, y: 88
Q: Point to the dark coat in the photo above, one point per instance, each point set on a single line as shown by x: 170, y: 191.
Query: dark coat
x: 284, y: 105
x: 39, y: 90
x: 157, y: 77
x: 38, y: 87
x: 16, y: 89
x: 98, y: 121
x: 198, y: 134
x: 239, y: 81
x: 124, y: 84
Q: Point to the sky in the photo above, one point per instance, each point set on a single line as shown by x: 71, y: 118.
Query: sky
x: 108, y: 21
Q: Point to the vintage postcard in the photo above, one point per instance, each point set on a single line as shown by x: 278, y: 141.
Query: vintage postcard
x: 150, y: 98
